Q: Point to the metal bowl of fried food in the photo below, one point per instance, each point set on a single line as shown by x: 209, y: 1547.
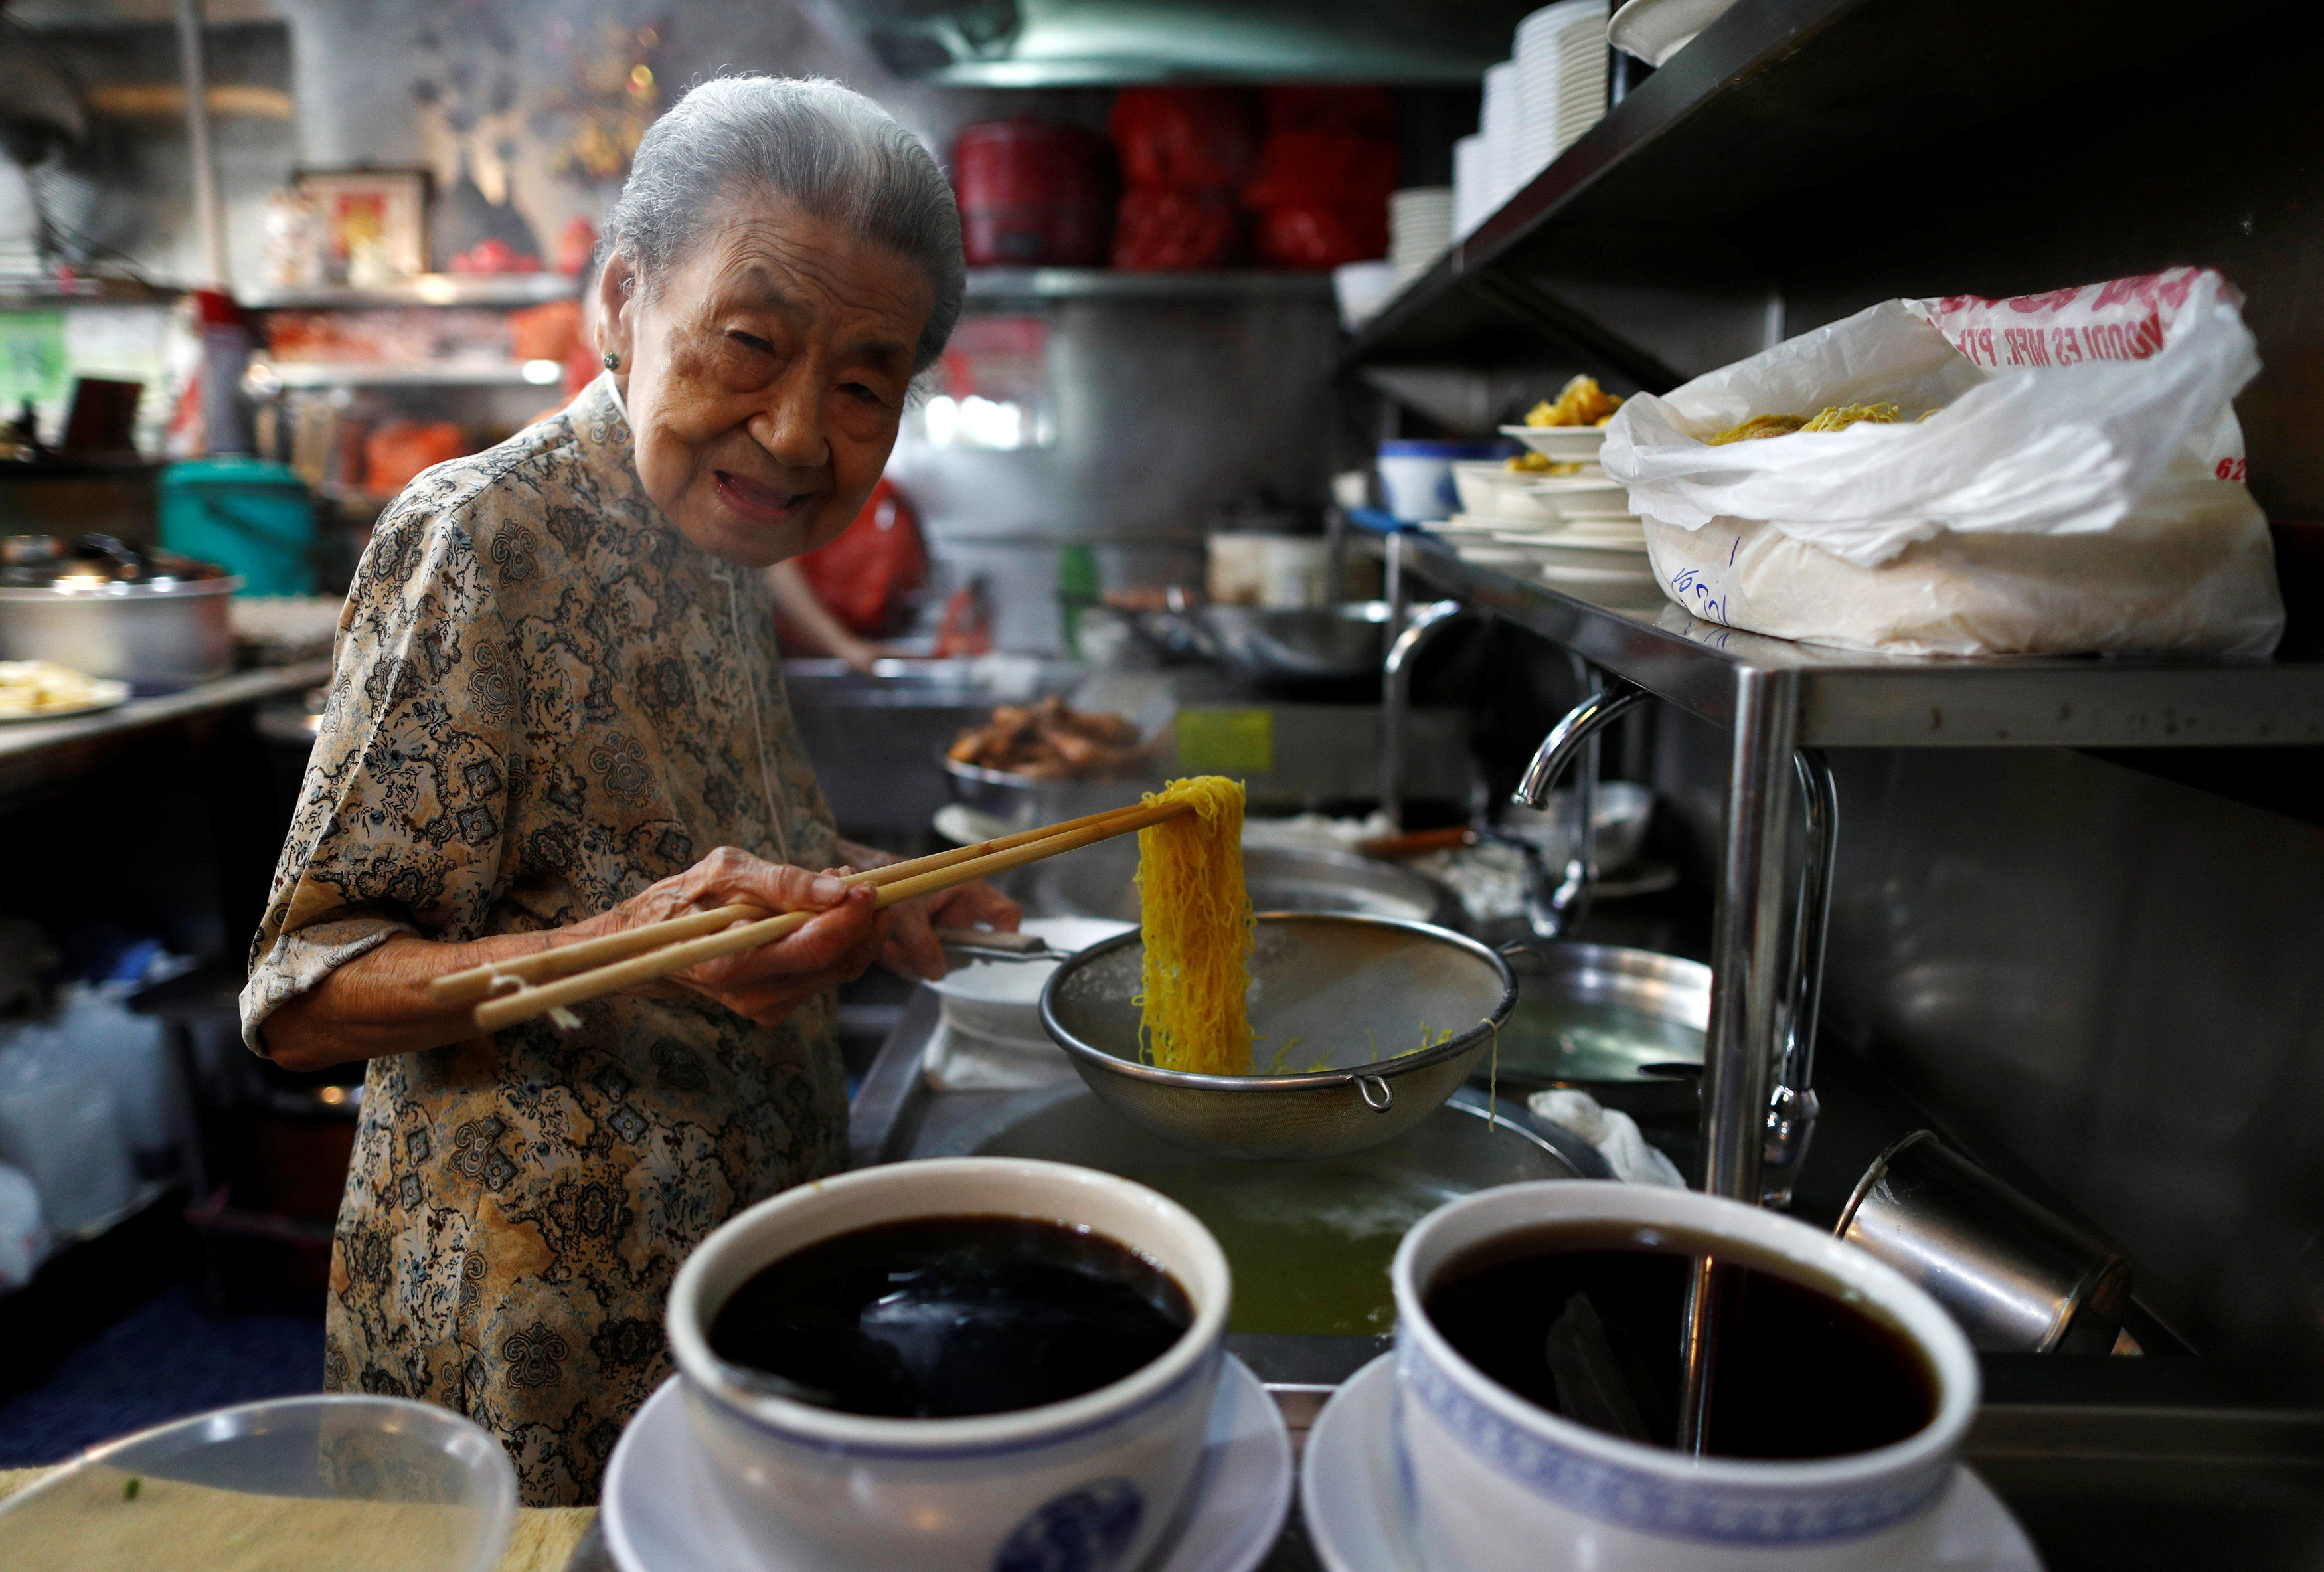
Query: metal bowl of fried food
x: 1384, y: 1019
x: 1038, y: 763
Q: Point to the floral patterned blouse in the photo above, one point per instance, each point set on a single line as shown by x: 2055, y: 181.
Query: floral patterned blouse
x: 545, y: 699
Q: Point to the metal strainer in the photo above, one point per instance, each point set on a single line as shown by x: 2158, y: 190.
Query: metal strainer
x: 1351, y: 994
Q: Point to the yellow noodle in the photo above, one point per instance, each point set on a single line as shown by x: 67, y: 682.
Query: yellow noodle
x: 1196, y: 916
x: 1833, y: 417
x: 1840, y: 417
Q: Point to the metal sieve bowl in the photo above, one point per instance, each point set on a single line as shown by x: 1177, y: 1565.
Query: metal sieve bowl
x: 1351, y: 989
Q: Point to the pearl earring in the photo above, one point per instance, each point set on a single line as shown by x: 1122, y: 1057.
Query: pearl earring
x: 612, y: 361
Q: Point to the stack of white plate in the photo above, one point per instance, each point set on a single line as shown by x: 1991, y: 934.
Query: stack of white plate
x: 1536, y: 60
x: 1497, y: 122
x: 1561, y: 54
x: 1419, y: 228
x: 1535, y: 105
x: 1576, y: 530
x: 1472, y: 186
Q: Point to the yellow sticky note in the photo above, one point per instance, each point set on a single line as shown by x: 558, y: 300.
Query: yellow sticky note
x: 1226, y: 742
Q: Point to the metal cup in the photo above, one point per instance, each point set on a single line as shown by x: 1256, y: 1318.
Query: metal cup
x: 2015, y: 1274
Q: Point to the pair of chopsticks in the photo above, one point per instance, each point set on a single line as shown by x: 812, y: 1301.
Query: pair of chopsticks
x: 507, y: 993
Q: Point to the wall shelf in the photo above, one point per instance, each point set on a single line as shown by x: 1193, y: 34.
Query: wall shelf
x: 306, y: 374
x: 47, y: 294
x: 1850, y: 698
x: 1060, y: 283
x: 434, y: 289
x: 1774, y: 99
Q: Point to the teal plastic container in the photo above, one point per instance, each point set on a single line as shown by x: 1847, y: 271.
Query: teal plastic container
x: 252, y: 517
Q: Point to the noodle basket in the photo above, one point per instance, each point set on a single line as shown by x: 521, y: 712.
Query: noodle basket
x: 1345, y: 999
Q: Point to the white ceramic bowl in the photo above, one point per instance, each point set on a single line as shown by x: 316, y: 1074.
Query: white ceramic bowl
x: 821, y: 1490
x: 1566, y: 444
x: 1568, y: 496
x: 1489, y: 488
x: 1000, y: 1001
x: 1499, y: 1485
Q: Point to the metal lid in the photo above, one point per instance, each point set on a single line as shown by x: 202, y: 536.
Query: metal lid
x: 34, y: 567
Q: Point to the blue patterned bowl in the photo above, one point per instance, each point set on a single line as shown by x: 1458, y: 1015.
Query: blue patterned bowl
x: 1499, y: 1485
x: 1085, y: 1485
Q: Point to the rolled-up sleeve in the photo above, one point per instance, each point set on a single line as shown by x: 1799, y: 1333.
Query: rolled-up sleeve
x: 400, y: 826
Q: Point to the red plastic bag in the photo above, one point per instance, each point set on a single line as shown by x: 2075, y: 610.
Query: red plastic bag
x: 1311, y: 166
x: 1161, y: 230
x: 1187, y: 139
x: 863, y: 575
x: 1321, y: 235
x: 401, y: 449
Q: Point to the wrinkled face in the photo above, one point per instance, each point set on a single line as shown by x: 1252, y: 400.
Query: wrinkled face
x: 764, y: 377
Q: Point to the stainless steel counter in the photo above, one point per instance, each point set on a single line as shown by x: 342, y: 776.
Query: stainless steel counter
x: 2113, y: 1463
x: 33, y: 753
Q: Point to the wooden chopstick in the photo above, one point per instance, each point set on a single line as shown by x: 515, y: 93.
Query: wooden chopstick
x: 528, y: 1003
x: 476, y: 983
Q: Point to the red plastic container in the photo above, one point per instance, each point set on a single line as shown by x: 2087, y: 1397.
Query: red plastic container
x: 1033, y: 193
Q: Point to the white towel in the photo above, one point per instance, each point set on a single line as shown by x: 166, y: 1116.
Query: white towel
x: 1613, y: 1133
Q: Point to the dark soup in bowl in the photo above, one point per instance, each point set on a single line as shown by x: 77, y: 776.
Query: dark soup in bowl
x: 946, y: 1317
x: 1586, y: 1320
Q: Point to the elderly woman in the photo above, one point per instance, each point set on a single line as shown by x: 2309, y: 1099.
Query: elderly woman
x: 556, y: 713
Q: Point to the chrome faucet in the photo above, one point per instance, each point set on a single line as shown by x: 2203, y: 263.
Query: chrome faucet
x: 1791, y: 1106
x: 1395, y: 699
x: 1550, y: 913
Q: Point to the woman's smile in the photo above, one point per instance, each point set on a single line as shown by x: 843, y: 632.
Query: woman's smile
x: 760, y: 504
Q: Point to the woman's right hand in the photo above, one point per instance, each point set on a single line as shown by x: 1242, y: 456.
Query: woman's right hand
x: 765, y: 984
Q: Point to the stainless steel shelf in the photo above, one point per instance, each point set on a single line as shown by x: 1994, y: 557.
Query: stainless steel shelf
x: 424, y: 374
x: 1849, y: 698
x: 1775, y: 98
x: 1052, y: 284
x: 47, y: 294
x: 432, y: 289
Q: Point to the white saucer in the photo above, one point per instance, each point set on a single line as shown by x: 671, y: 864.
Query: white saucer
x: 1348, y: 1489
x: 661, y: 1513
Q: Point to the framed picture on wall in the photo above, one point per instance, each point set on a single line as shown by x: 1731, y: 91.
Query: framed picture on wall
x: 373, y: 221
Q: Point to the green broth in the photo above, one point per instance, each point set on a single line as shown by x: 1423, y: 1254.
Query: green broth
x: 1309, y: 1243
x: 1559, y: 1039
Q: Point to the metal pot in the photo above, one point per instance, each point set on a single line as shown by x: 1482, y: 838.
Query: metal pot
x: 1326, y: 645
x: 158, y: 624
x: 2017, y: 1276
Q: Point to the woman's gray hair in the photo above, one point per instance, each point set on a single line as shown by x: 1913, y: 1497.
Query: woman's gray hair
x: 809, y: 141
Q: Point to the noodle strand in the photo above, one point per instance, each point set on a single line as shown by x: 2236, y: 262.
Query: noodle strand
x: 1193, y: 992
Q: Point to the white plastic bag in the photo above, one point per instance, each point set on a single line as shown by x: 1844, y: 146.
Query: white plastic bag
x: 2081, y: 488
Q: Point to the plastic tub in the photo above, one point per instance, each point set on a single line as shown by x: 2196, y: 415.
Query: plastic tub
x: 253, y: 517
x: 1416, y: 474
x: 339, y: 1484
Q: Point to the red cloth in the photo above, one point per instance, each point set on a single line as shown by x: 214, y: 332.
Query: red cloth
x: 863, y: 576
